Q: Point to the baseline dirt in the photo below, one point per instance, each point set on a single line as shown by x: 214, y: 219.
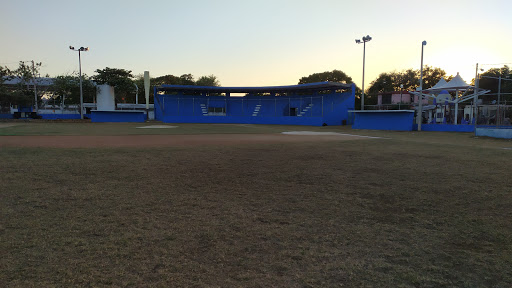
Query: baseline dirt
x: 162, y: 140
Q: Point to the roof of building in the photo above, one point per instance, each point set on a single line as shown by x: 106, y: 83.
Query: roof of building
x: 40, y: 81
x: 264, y: 89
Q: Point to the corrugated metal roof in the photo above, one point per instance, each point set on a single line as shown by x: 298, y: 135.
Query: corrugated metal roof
x: 41, y: 81
x: 263, y: 89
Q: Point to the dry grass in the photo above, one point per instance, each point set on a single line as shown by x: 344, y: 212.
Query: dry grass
x: 374, y: 213
x: 78, y: 127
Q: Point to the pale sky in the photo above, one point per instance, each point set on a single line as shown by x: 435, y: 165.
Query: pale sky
x: 256, y: 43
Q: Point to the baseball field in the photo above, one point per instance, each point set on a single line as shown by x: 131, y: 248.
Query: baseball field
x: 206, y: 205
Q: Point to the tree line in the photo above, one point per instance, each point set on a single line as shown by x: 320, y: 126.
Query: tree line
x: 409, y: 80
x: 66, y: 88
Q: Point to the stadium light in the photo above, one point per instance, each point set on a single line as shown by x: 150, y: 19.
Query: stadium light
x: 419, y: 117
x: 365, y: 39
x: 81, y: 49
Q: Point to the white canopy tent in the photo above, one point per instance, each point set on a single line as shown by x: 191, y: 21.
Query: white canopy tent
x: 456, y: 84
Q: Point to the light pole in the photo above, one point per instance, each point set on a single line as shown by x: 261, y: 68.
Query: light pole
x: 401, y: 89
x: 419, y: 118
x: 365, y: 39
x: 80, y: 75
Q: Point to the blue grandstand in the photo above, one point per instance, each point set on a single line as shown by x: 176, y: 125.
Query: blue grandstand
x: 317, y: 104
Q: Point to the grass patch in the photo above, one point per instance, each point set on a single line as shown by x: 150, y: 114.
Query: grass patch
x: 416, y: 210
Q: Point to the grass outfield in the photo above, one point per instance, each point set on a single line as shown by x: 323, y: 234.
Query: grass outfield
x: 412, y: 210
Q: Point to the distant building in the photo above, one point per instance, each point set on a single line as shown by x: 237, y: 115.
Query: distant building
x: 396, y: 97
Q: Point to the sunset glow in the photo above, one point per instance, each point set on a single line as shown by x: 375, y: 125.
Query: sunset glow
x: 256, y: 43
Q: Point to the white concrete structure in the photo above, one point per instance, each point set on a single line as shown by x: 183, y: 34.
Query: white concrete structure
x: 105, y: 98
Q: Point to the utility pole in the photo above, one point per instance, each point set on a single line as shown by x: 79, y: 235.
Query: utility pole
x: 34, y: 80
x: 475, y: 100
x: 420, y: 97
x: 365, y: 39
x: 80, y: 75
x: 498, y: 112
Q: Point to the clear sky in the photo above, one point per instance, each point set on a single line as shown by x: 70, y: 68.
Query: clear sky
x: 256, y: 43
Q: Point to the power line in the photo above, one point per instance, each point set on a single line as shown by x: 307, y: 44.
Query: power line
x: 496, y: 64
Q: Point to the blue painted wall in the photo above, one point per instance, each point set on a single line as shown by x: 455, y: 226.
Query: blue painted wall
x: 378, y: 120
x: 310, y: 109
x: 309, y: 121
x: 48, y: 116
x: 505, y: 133
x: 59, y: 116
x: 447, y: 127
x: 118, y: 116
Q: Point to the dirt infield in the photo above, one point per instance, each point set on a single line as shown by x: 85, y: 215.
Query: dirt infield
x: 162, y: 140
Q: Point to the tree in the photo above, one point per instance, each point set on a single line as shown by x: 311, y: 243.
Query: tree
x: 20, y: 93
x: 332, y: 76
x: 210, y: 80
x: 120, y: 79
x: 166, y: 79
x: 67, y: 89
x: 410, y: 79
x: 4, y: 95
x: 4, y: 73
x: 187, y: 79
x: 493, y: 83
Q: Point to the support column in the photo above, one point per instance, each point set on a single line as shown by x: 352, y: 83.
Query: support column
x: 456, y: 113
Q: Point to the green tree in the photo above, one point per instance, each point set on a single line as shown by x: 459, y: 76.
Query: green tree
x: 187, y: 79
x: 4, y: 73
x: 489, y: 80
x: 166, y: 79
x: 66, y: 89
x: 210, y: 80
x: 332, y: 76
x: 120, y: 79
x: 4, y: 95
x: 410, y: 79
x: 21, y: 93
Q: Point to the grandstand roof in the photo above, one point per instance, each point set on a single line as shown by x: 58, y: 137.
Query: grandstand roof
x: 290, y: 88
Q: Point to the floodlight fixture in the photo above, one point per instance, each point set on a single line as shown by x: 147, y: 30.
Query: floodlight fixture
x: 81, y: 49
x: 365, y: 39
